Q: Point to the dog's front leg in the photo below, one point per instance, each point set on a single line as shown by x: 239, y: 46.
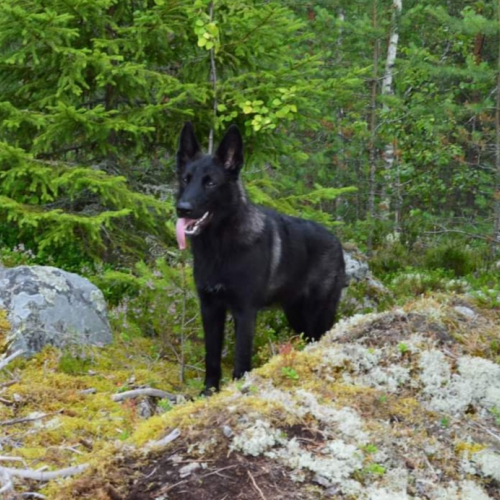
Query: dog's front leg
x: 213, y: 314
x: 244, y: 322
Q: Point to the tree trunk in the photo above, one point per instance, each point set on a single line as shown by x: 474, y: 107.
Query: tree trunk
x: 387, y: 89
x: 372, y: 151
x: 340, y: 114
x: 497, y: 145
x: 213, y: 80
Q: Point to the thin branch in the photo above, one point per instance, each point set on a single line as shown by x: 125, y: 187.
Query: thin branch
x: 43, y: 476
x: 8, y: 384
x: 13, y: 356
x: 11, y: 459
x: 476, y: 425
x: 256, y: 486
x: 465, y: 233
x: 6, y: 480
x: 146, y: 391
x: 164, y: 441
x: 213, y: 79
x: 183, y: 320
x: 23, y: 420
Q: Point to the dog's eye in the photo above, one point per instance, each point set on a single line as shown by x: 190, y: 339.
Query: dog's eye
x: 209, y: 182
x: 186, y: 179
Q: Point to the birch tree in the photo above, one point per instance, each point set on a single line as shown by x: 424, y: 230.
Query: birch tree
x: 387, y: 90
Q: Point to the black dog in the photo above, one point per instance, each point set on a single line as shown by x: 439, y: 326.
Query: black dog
x: 247, y: 257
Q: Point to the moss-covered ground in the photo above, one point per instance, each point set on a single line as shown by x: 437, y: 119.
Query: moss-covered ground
x: 403, y: 404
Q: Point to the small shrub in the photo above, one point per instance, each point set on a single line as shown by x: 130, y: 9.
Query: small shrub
x: 452, y: 256
x: 487, y: 297
x: 414, y: 283
x: 16, y: 256
x: 393, y: 256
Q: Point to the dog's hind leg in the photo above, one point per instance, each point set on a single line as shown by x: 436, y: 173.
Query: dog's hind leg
x: 320, y: 313
x: 295, y: 315
x: 213, y: 314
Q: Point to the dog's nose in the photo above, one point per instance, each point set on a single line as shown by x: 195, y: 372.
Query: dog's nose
x: 184, y: 208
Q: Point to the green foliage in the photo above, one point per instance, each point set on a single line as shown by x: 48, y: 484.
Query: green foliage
x: 100, y: 88
x: 414, y: 283
x: 452, y: 256
x: 157, y: 301
x: 390, y: 258
x: 403, y: 348
x: 376, y: 469
x: 364, y: 297
x: 17, y: 256
x: 496, y: 413
x: 290, y: 373
x: 488, y: 296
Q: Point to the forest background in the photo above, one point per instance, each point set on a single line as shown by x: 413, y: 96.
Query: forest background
x: 379, y: 118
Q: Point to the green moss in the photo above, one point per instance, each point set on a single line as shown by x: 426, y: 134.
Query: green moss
x: 4, y: 330
x: 52, y: 383
x: 74, y: 365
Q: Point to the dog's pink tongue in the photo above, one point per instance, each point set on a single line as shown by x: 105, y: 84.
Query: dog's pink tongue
x: 179, y: 232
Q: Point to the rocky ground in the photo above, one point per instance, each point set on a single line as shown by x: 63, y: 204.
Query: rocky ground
x: 397, y: 405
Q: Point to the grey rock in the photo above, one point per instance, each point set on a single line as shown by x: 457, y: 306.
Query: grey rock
x: 355, y: 269
x: 465, y: 311
x: 365, y: 293
x: 227, y: 431
x: 49, y: 306
x: 188, y: 469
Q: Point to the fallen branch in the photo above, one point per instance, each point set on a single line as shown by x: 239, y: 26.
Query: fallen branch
x: 11, y: 459
x: 43, y: 476
x: 164, y: 441
x: 87, y: 391
x: 146, y: 391
x: 477, y: 425
x: 23, y: 420
x: 8, y: 384
x: 256, y: 486
x: 8, y: 486
x: 8, y: 359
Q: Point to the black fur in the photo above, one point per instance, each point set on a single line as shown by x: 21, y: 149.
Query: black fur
x: 247, y: 257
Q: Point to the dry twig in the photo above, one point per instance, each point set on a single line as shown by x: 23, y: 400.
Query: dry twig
x: 164, y: 441
x: 8, y: 359
x: 146, y: 391
x: 23, y: 420
x: 256, y: 486
x: 43, y: 475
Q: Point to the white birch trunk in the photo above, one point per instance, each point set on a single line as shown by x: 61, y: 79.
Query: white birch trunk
x: 387, y: 89
x: 372, y: 151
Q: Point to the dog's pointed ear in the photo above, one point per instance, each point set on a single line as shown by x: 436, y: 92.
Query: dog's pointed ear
x: 189, y: 147
x: 230, y: 150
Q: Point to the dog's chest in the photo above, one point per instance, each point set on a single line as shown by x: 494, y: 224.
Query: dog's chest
x: 210, y: 275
